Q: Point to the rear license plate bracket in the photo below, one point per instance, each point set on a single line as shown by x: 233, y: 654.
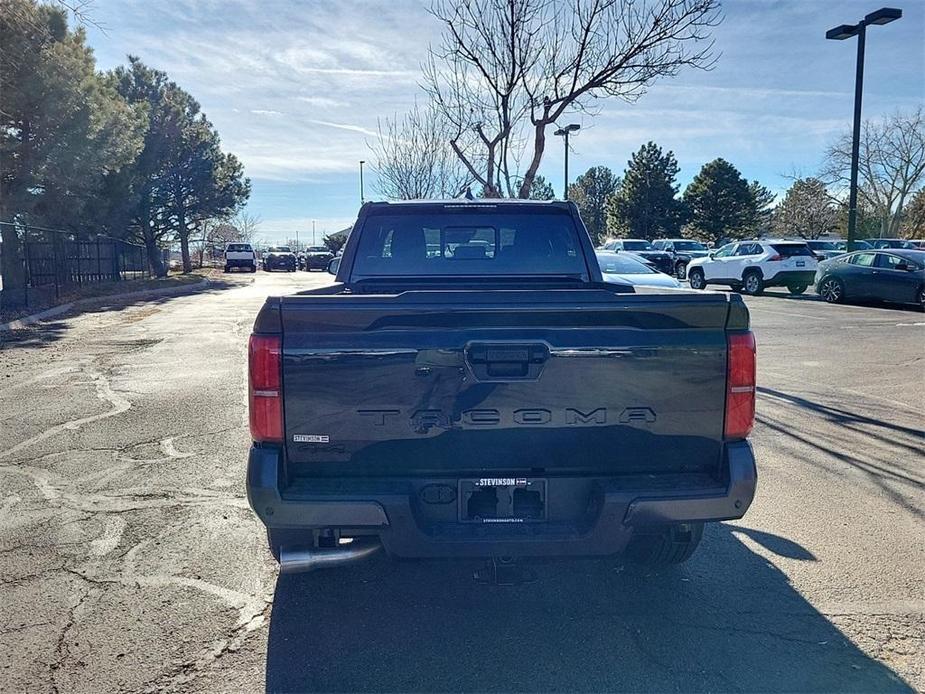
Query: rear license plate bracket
x: 502, y: 500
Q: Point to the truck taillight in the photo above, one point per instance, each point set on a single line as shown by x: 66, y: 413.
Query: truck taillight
x: 265, y: 396
x: 740, y: 385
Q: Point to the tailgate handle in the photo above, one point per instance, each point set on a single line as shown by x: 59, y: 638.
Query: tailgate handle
x: 522, y: 362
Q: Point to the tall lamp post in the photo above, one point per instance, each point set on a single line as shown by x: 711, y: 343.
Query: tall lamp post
x: 314, y: 242
x: 564, y: 133
x: 362, y: 199
x: 884, y: 15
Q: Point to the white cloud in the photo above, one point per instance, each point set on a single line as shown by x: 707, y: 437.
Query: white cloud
x: 267, y: 112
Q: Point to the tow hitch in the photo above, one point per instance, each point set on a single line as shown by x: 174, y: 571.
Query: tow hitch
x: 504, y: 571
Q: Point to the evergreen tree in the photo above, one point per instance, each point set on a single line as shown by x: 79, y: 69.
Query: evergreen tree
x: 646, y: 206
x: 181, y: 177
x: 542, y: 189
x: 590, y: 192
x: 761, y: 213
x: 62, y: 128
x: 719, y: 202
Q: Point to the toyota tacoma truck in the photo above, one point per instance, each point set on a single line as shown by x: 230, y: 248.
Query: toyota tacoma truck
x: 470, y: 387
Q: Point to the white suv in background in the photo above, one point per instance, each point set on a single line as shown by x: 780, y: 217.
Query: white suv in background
x: 754, y: 265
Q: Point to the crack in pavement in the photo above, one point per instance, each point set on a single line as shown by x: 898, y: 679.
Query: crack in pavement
x: 104, y: 392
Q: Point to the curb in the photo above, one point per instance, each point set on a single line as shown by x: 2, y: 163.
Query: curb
x: 20, y: 323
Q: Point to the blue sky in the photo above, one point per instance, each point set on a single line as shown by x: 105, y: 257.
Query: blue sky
x: 295, y: 90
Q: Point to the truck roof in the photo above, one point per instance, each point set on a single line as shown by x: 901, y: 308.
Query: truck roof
x: 464, y: 202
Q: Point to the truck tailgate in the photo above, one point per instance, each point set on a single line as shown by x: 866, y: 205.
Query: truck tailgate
x: 545, y: 382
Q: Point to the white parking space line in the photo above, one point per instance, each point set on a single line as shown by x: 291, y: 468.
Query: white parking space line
x: 791, y: 314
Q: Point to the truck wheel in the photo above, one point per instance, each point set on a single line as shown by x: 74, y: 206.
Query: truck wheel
x: 673, y: 544
x: 696, y: 279
x: 796, y: 288
x: 680, y: 270
x: 752, y: 283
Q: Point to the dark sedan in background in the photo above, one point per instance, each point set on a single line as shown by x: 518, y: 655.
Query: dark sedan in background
x: 891, y: 243
x: 315, y: 258
x: 660, y: 260
x: 279, y: 258
x: 826, y: 249
x: 894, y: 275
x: 682, y: 251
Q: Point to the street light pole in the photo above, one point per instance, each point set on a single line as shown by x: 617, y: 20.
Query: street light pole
x: 884, y: 15
x: 314, y: 243
x: 564, y: 133
x: 362, y: 199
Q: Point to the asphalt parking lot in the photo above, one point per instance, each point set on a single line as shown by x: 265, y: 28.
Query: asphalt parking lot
x: 129, y: 559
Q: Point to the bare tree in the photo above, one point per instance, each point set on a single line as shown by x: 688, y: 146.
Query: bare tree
x: 891, y: 165
x: 508, y: 69
x: 413, y: 158
x: 213, y: 235
x: 807, y: 210
x: 247, y: 224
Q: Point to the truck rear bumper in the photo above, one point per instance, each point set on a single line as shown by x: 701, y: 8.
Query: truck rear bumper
x: 392, y: 510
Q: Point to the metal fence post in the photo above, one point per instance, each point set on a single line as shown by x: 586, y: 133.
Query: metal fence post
x: 27, y: 266
x: 57, y: 266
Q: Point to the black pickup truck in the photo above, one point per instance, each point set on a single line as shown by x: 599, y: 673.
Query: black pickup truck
x: 470, y: 387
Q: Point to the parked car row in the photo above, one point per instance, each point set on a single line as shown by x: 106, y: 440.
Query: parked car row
x: 888, y: 274
x: 243, y: 256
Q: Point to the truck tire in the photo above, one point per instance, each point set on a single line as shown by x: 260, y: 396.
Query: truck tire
x: 796, y: 288
x: 680, y: 270
x: 695, y: 277
x: 673, y: 544
x: 752, y: 283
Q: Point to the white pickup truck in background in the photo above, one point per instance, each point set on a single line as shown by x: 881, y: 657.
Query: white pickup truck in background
x: 240, y: 255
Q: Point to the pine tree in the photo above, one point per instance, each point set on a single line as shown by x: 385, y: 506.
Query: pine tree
x: 590, y: 192
x: 62, y: 128
x: 646, y: 206
x: 719, y: 202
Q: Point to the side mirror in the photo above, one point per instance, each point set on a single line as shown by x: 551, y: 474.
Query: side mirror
x: 334, y: 266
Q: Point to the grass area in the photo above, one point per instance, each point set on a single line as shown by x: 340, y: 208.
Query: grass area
x: 43, y: 298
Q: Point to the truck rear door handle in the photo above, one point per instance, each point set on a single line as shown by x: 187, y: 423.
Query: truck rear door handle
x: 506, y: 362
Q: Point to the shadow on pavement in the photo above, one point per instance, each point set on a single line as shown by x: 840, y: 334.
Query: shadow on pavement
x: 887, y: 453
x: 728, y: 620
x: 46, y: 332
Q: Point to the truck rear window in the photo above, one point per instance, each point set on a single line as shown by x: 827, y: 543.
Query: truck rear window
x: 484, y: 240
x: 238, y: 248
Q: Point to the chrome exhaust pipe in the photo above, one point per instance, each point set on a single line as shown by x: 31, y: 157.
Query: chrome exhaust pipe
x: 293, y: 560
